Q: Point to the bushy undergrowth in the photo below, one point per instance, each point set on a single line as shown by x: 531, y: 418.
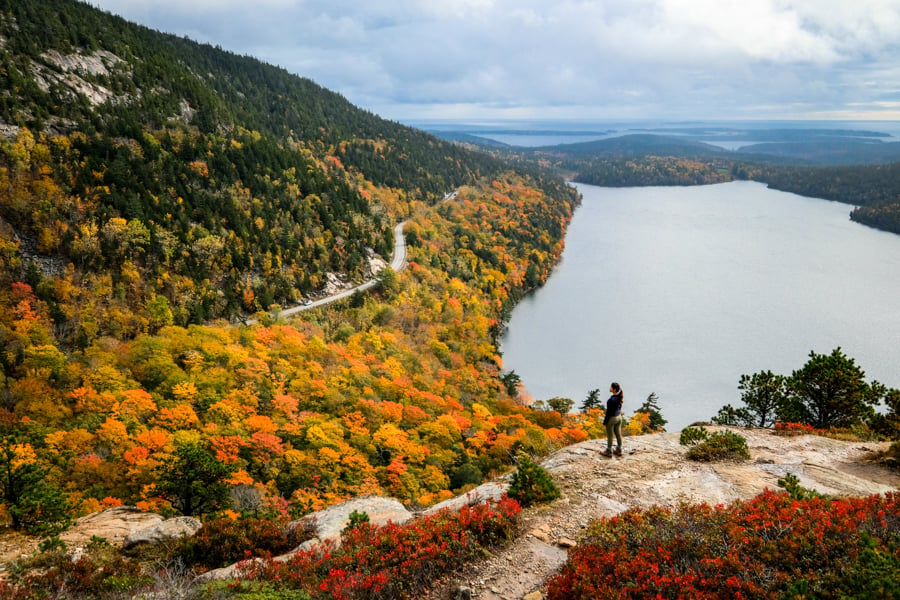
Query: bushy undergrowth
x: 532, y: 484
x: 388, y: 562
x: 721, y: 445
x: 795, y: 429
x: 773, y: 546
x: 100, y: 572
x: 791, y: 485
x: 222, y: 542
x: 693, y: 435
x: 250, y: 591
x: 395, y: 561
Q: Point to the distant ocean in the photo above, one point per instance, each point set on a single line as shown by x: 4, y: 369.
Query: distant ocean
x: 531, y: 134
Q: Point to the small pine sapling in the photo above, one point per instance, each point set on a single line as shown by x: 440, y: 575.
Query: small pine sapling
x: 531, y: 483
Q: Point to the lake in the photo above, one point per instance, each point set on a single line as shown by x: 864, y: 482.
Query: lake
x: 680, y: 290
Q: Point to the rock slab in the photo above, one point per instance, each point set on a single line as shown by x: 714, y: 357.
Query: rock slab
x: 112, y: 524
x: 169, y: 529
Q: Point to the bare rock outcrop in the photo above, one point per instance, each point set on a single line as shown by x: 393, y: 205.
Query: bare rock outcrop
x: 169, y: 529
x: 128, y: 526
x: 492, y: 490
x: 330, y: 522
x: 112, y: 524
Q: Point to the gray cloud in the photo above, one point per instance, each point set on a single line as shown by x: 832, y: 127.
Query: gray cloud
x: 575, y: 58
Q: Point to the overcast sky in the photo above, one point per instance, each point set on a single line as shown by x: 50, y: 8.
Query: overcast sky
x: 566, y: 59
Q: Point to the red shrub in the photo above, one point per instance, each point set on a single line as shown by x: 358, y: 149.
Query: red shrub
x: 793, y: 429
x: 752, y: 549
x: 392, y: 561
x: 221, y: 542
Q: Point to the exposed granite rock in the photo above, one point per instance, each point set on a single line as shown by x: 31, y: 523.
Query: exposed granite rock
x: 167, y: 530
x: 329, y: 523
x: 112, y: 524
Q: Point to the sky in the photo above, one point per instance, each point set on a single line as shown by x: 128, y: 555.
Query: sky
x: 604, y: 60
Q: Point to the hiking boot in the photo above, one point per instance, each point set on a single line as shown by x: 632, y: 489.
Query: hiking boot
x: 606, y: 452
x: 618, y: 452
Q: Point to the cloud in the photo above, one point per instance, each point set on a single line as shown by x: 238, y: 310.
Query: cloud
x: 609, y: 57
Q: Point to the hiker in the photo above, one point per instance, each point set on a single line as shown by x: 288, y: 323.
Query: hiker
x: 613, y: 420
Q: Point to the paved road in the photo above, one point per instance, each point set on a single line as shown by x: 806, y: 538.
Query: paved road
x: 398, y: 264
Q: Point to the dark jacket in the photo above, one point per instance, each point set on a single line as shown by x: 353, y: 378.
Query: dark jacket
x: 613, y: 407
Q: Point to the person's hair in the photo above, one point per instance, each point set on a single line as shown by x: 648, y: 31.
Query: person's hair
x: 616, y: 387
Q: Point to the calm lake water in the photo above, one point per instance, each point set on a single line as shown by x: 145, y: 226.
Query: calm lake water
x: 680, y: 290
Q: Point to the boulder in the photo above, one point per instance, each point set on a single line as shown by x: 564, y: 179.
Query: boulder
x: 112, y: 524
x: 328, y: 523
x: 169, y: 529
x: 230, y: 572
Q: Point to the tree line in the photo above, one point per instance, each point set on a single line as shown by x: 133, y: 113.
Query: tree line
x: 829, y: 391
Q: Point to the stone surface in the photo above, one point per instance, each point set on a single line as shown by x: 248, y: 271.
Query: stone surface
x: 229, y: 572
x: 329, y: 523
x: 167, y: 530
x: 112, y: 524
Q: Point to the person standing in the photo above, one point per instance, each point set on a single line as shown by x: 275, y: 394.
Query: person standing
x: 613, y: 420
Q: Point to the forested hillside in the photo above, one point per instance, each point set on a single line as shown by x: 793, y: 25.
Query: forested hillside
x: 874, y: 190
x: 186, y: 178
x: 150, y: 186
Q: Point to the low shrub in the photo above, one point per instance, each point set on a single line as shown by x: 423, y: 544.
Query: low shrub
x: 532, y: 484
x: 357, y: 519
x: 794, y: 429
x: 222, y: 542
x: 394, y: 561
x: 101, y: 572
x: 250, y: 591
x: 791, y: 485
x: 761, y: 548
x: 721, y: 445
x: 693, y: 435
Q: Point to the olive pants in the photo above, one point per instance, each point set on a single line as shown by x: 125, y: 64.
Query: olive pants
x: 614, y: 427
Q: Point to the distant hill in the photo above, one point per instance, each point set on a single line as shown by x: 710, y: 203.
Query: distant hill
x: 469, y: 138
x: 829, y: 151
x: 635, y: 144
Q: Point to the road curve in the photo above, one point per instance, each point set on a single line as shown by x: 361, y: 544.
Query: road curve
x: 398, y: 264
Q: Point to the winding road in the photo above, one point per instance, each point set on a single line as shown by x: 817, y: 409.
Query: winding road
x: 398, y: 264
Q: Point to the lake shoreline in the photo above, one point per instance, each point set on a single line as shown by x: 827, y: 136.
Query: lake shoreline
x: 680, y: 290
